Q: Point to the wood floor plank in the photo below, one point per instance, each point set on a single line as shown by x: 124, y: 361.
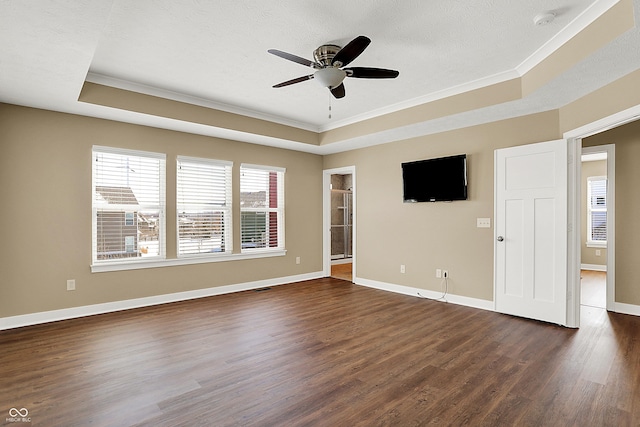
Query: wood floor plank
x: 324, y: 352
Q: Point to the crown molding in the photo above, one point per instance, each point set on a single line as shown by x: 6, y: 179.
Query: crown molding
x: 425, y: 99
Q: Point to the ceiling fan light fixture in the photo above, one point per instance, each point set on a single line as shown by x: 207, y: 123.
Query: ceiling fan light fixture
x: 329, y: 77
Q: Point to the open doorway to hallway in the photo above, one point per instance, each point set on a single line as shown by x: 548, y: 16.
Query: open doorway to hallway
x: 593, y: 276
x: 342, y: 226
x: 595, y: 209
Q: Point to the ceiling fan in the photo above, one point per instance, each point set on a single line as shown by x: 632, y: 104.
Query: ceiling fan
x: 329, y: 60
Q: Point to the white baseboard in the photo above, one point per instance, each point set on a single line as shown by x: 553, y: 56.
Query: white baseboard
x: 416, y: 292
x: 593, y: 267
x: 89, y: 310
x: 623, y: 308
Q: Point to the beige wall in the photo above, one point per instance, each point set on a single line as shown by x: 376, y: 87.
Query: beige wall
x: 426, y: 236
x: 589, y: 255
x: 627, y: 174
x: 45, y: 219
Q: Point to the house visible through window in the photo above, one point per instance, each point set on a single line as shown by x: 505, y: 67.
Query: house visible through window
x: 261, y: 208
x: 203, y: 206
x: 128, y: 206
x: 597, y: 211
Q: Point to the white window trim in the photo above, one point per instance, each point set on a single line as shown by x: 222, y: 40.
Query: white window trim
x: 263, y: 167
x: 594, y: 243
x: 172, y: 262
x: 158, y: 262
x: 206, y: 257
x: 115, y: 265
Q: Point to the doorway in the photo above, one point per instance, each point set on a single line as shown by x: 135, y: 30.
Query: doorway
x: 339, y: 223
x: 593, y: 233
x: 574, y: 139
x: 597, y: 200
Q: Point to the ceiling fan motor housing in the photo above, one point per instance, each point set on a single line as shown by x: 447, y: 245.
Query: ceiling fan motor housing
x: 325, y: 53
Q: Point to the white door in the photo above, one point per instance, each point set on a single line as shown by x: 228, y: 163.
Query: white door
x: 531, y: 231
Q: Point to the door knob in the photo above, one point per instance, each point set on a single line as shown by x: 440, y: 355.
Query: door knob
x: 500, y: 238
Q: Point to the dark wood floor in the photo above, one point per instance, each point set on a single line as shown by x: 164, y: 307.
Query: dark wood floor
x: 323, y: 353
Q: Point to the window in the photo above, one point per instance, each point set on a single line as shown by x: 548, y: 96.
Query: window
x: 128, y: 218
x: 129, y: 244
x: 597, y: 211
x: 128, y: 207
x: 203, y: 206
x: 261, y: 208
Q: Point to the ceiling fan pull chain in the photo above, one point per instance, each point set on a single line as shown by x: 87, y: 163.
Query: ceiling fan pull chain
x: 330, y: 104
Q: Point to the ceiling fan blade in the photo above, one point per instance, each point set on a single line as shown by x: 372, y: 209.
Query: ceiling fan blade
x: 294, y: 58
x: 338, y: 91
x: 294, y: 81
x: 351, y: 51
x: 371, y: 73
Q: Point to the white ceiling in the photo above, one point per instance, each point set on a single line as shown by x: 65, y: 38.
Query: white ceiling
x: 214, y: 53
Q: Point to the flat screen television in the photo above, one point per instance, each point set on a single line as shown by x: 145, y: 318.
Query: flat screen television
x: 435, y: 180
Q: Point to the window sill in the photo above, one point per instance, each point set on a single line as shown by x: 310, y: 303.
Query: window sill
x: 138, y: 265
x: 599, y: 245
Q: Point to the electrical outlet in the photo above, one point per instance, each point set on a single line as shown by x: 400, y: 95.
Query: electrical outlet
x: 402, y: 269
x: 445, y: 274
x: 598, y: 252
x: 483, y: 222
x: 71, y: 285
x: 438, y: 273
x: 297, y: 260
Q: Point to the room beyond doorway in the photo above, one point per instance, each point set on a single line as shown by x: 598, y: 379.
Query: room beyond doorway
x: 342, y: 270
x: 339, y: 223
x: 341, y: 226
x: 597, y: 230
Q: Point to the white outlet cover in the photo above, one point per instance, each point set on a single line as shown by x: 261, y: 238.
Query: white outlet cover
x: 483, y: 222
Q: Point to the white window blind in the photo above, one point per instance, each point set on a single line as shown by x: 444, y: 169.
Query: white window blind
x: 597, y: 210
x: 261, y: 208
x: 204, y: 206
x: 128, y: 207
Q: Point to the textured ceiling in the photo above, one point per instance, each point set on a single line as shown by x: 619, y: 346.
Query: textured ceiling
x: 216, y: 53
x: 218, y: 50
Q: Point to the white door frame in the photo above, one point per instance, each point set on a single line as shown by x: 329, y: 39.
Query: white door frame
x: 574, y: 139
x: 326, y: 218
